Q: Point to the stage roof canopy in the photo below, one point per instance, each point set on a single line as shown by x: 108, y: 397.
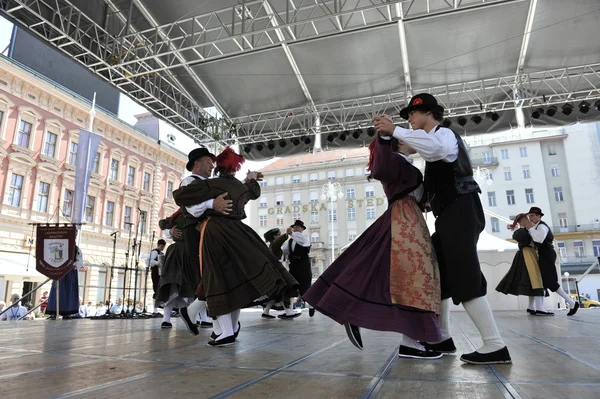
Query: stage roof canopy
x: 283, y: 69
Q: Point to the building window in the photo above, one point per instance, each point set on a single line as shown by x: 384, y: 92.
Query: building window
x: 314, y: 177
x: 110, y: 213
x: 507, y: 174
x: 504, y: 154
x: 558, y: 194
x: 262, y: 202
x: 596, y: 247
x: 279, y: 220
x: 351, y: 235
x: 24, y: 134
x: 127, y: 217
x: 526, y: 172
x: 491, y: 198
x: 279, y: 200
x: 370, y: 212
x: 96, y: 167
x: 296, y: 179
x: 279, y: 180
x: 351, y: 213
x: 42, y: 199
x: 332, y: 215
x: 146, y: 184
x: 487, y: 158
x: 296, y: 198
x: 334, y: 237
x: 169, y: 189
x: 131, y: 176
x: 143, y: 224
x: 510, y: 197
x: 563, y: 222
x: 579, y: 249
x: 90, y: 202
x: 297, y: 216
x: 73, y: 153
x: 314, y: 237
x: 523, y: 152
x: 262, y: 183
x: 529, y: 195
x: 114, y: 169
x: 314, y: 217
x: 562, y: 250
x: 349, y: 172
x: 314, y: 196
x: 331, y: 175
x: 262, y: 221
x: 369, y: 191
x: 495, y: 225
x: 50, y: 145
x: 552, y: 149
x: 367, y: 172
x: 554, y: 168
x: 350, y: 193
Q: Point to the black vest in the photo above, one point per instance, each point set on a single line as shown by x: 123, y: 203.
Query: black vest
x: 446, y: 181
x: 299, y: 254
x: 549, y: 240
x: 188, y: 218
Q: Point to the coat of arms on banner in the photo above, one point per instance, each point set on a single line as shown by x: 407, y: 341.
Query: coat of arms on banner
x: 55, y: 252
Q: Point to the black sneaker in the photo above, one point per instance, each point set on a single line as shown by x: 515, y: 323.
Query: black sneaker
x: 166, y: 326
x: 531, y: 312
x: 446, y: 347
x: 412, y: 353
x: 353, y: 333
x: 311, y: 312
x: 286, y: 317
x: 192, y: 327
x: 501, y: 356
x: 543, y: 313
x: 267, y: 316
x: 574, y: 310
x: 222, y: 342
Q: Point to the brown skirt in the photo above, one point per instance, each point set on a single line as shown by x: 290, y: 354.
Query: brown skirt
x: 237, y: 267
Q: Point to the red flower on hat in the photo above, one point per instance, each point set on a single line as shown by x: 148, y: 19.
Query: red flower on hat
x: 417, y: 101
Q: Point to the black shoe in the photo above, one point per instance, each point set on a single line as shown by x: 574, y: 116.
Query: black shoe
x: 235, y: 334
x: 543, y: 313
x: 531, y: 312
x: 286, y: 317
x: 412, y: 353
x: 446, y: 347
x: 192, y: 327
x: 222, y: 342
x: 214, y: 336
x: 501, y: 356
x: 267, y: 316
x: 166, y: 326
x: 574, y: 310
x: 353, y: 333
x: 278, y: 307
x: 311, y: 312
x: 204, y: 324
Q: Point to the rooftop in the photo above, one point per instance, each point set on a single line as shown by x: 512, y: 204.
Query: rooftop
x: 319, y: 158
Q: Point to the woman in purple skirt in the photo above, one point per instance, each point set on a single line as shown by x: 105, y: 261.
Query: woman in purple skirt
x: 388, y: 279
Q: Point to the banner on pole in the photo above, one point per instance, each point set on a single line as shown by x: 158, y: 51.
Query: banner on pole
x: 87, y: 148
x: 55, y: 252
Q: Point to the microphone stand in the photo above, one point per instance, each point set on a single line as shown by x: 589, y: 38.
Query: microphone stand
x: 123, y: 312
x: 136, y: 257
x: 112, y: 267
x: 146, y: 280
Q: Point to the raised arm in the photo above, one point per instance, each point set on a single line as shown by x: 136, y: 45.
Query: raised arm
x: 278, y: 242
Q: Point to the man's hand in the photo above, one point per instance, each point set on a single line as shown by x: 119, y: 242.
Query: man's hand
x: 383, y: 125
x: 289, y: 231
x: 175, y: 232
x: 222, y: 205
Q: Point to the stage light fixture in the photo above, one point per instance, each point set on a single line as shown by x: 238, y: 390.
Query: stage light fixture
x: 462, y: 121
x: 247, y: 148
x: 344, y: 135
x: 537, y: 112
x: 282, y: 143
x: 584, y: 107
x: 356, y: 133
x: 259, y: 147
x: 477, y: 119
x: 493, y: 115
x: 271, y: 145
x: 306, y: 140
x: 551, y: 111
x: 371, y: 131
x: 567, y: 109
x: 446, y: 122
x: 597, y: 105
x: 296, y: 141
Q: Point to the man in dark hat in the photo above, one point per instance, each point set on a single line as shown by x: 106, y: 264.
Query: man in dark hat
x: 544, y: 241
x: 454, y: 199
x: 297, y: 249
x: 201, y: 164
x: 275, y: 240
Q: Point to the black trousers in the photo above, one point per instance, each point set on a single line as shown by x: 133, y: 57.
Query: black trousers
x: 301, y: 270
x: 457, y: 231
x: 547, y: 262
x: 155, y: 280
x: 191, y: 272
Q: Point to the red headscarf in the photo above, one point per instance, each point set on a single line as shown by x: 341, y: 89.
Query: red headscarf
x: 516, y: 221
x: 228, y: 162
x: 371, y: 153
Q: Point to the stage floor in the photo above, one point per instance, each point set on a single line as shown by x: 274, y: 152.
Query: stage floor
x: 553, y: 357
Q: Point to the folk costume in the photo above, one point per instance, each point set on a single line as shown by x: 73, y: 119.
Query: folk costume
x: 68, y: 292
x: 153, y: 263
x: 237, y: 268
x: 453, y: 196
x: 297, y: 251
x: 388, y: 278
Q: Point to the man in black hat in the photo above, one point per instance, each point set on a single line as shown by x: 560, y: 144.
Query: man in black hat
x: 297, y: 249
x: 454, y: 199
x: 544, y: 241
x: 201, y: 164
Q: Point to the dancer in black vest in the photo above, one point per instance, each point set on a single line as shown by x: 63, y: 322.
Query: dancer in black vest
x: 153, y: 263
x: 297, y: 249
x: 544, y: 241
x: 454, y: 199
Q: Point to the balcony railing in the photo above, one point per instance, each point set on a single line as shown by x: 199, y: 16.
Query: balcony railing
x: 493, y: 161
x: 577, y: 228
x: 577, y: 259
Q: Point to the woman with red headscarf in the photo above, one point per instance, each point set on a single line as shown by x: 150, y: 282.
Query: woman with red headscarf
x: 388, y: 278
x: 237, y: 268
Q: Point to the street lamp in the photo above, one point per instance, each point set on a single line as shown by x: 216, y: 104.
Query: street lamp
x: 483, y: 174
x: 568, y: 285
x: 331, y: 191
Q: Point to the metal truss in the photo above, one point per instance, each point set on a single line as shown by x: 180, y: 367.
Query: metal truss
x: 536, y: 89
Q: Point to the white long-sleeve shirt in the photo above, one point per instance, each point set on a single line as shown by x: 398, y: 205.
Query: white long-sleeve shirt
x: 538, y: 232
x: 199, y: 209
x: 297, y: 237
x: 433, y: 146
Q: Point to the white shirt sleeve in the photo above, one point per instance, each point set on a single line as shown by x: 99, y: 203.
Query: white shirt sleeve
x: 286, y: 247
x: 301, y: 239
x: 153, y: 259
x: 167, y: 234
x: 78, y: 258
x: 197, y: 210
x: 538, y: 234
x: 434, y: 146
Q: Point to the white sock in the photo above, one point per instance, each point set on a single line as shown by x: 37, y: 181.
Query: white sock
x: 289, y: 310
x: 268, y: 307
x: 203, y: 314
x: 479, y: 311
x: 226, y: 326
x: 235, y: 317
x: 566, y: 297
x: 531, y: 303
x: 194, y: 308
x: 411, y: 343
x: 217, y: 328
x: 167, y: 313
x: 444, y: 319
x: 539, y: 303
